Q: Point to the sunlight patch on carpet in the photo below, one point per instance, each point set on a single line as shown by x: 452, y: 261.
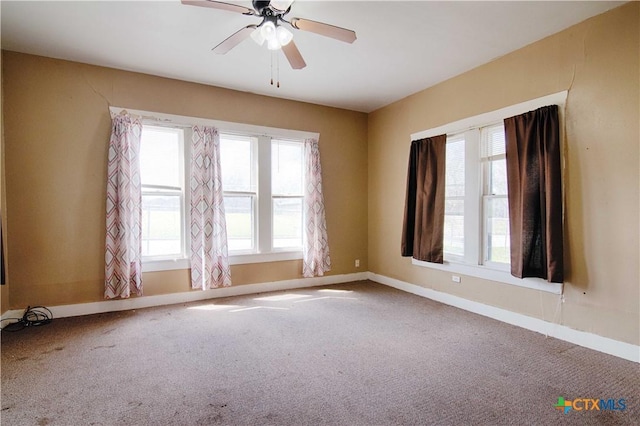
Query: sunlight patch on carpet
x: 214, y: 307
x: 259, y: 307
x: 325, y: 298
x: 282, y: 297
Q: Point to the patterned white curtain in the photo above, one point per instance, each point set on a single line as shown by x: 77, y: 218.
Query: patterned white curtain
x: 209, y: 260
x: 123, y: 273
x: 316, y: 259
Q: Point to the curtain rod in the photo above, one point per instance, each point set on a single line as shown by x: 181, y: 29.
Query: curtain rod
x: 485, y: 118
x: 164, y: 122
x: 222, y: 126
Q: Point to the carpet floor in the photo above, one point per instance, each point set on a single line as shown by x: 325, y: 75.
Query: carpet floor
x: 351, y: 354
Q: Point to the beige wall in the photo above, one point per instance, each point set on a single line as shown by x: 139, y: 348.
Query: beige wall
x: 598, y: 62
x: 57, y: 128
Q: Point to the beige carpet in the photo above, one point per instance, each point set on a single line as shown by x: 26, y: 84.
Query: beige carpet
x: 352, y: 354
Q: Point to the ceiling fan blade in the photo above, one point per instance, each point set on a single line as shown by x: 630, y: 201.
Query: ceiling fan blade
x: 234, y: 39
x: 293, y: 56
x: 326, y: 30
x: 220, y: 5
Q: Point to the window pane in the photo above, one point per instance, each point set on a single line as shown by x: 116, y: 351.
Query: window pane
x: 494, y: 141
x: 287, y: 222
x: 454, y: 227
x: 237, y: 161
x: 498, y: 243
x: 454, y: 168
x: 160, y: 156
x: 454, y: 188
x: 286, y: 168
x: 498, y: 177
x: 161, y: 225
x: 239, y: 218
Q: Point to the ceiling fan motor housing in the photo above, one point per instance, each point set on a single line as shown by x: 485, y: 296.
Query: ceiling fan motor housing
x: 260, y: 5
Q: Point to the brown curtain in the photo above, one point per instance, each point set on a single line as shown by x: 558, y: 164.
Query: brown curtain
x: 535, y: 194
x: 423, y: 228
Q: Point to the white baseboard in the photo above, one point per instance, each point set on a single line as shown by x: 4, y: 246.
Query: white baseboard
x: 14, y: 313
x: 62, y: 311
x: 581, y: 338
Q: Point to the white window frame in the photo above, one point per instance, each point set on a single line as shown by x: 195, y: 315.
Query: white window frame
x: 263, y: 250
x: 486, y: 195
x: 180, y: 261
x: 273, y: 197
x: 472, y: 265
x: 255, y: 195
x: 226, y: 127
x: 448, y: 255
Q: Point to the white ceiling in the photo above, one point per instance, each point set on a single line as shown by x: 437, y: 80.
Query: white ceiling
x: 402, y: 46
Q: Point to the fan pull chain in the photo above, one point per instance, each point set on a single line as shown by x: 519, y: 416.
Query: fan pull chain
x: 272, y: 68
x: 274, y: 53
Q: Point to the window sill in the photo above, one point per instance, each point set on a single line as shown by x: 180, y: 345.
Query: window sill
x: 239, y: 259
x: 164, y: 265
x: 493, y: 275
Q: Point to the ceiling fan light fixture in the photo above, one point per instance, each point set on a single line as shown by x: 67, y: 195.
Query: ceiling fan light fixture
x: 271, y: 30
x: 273, y: 44
x: 284, y: 35
x: 268, y: 30
x: 257, y: 36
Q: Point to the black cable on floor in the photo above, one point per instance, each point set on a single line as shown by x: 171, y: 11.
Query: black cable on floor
x: 32, y: 317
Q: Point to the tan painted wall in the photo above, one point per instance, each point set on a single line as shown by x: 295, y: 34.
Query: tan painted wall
x: 57, y: 128
x: 598, y: 62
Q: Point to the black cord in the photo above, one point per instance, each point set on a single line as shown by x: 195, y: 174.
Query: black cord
x: 32, y: 317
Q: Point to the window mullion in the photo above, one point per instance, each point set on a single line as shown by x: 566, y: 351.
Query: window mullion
x: 185, y: 169
x: 240, y: 193
x: 264, y: 195
x: 473, y: 196
x: 284, y: 197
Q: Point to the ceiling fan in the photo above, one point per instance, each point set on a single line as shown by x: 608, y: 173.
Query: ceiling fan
x: 274, y: 27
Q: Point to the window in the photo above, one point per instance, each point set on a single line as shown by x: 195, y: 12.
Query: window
x: 263, y: 193
x: 476, y: 223
x: 454, y: 198
x: 263, y: 185
x: 495, y: 208
x: 287, y: 193
x: 240, y: 185
x: 163, y: 196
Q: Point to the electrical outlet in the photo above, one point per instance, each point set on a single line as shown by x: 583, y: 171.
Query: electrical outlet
x: 357, y: 263
x: 455, y: 278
